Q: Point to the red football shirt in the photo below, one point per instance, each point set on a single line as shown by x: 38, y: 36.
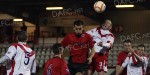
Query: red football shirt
x: 79, y: 46
x: 121, y: 57
x: 56, y: 66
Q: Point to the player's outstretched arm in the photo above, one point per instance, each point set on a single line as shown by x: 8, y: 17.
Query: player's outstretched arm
x: 117, y: 69
x: 91, y: 55
x: 120, y: 70
x: 3, y: 59
x: 119, y: 62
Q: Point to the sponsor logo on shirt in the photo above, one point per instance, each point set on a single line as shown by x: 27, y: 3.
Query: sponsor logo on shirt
x: 79, y: 46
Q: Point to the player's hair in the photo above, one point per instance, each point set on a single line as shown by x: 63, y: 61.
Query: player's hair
x: 127, y: 41
x: 78, y: 22
x: 57, y: 48
x: 107, y: 20
x: 22, y: 36
x: 141, y: 45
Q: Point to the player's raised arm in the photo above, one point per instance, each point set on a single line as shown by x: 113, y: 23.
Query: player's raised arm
x: 135, y: 54
x: 91, y: 46
x: 91, y: 55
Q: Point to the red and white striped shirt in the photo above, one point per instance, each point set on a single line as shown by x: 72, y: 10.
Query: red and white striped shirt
x: 100, y: 35
x: 22, y: 59
x: 132, y: 70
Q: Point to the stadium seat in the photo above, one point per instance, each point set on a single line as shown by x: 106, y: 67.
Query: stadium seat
x: 120, y: 48
x: 39, y: 49
x: 48, y: 49
x: 115, y: 45
x: 51, y: 54
x: 43, y: 52
x: 115, y: 57
x: 38, y: 53
x: 111, y: 52
x: 146, y: 45
x: 3, y: 49
x: 115, y: 52
x: 110, y: 61
x: 3, y: 53
x: 110, y: 65
x: 47, y: 52
x: 41, y: 63
x: 45, y: 60
x: 47, y: 57
x: 110, y: 57
x: 38, y: 57
x: 135, y: 45
x: 37, y: 61
x: 42, y: 57
x: 115, y: 48
x: 114, y: 62
x: 121, y: 45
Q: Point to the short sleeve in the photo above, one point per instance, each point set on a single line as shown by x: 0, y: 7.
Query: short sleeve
x: 145, y: 60
x: 91, y: 41
x: 111, y: 38
x: 119, y: 60
x: 46, y: 65
x: 11, y: 52
x: 65, y: 70
x: 64, y: 42
x: 91, y: 32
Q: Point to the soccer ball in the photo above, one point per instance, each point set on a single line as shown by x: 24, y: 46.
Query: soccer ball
x: 99, y: 6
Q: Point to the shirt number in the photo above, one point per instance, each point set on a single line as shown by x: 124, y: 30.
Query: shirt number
x: 27, y: 58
